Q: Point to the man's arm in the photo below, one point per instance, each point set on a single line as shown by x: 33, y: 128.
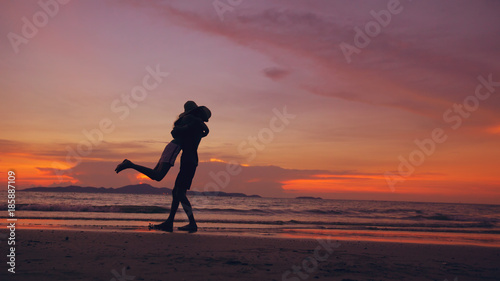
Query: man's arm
x: 190, y: 121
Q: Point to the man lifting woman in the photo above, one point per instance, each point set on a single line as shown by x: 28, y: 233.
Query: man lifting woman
x: 188, y: 131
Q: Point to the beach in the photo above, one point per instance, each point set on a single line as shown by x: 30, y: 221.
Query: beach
x: 58, y: 254
x: 298, y: 140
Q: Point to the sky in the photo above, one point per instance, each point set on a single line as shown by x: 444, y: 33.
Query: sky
x: 368, y: 100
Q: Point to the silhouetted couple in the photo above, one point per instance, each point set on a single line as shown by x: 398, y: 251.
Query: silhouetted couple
x: 188, y: 130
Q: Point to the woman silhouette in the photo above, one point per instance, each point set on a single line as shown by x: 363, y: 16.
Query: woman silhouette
x: 188, y: 131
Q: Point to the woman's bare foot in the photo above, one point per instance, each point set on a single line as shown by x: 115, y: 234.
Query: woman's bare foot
x: 123, y: 165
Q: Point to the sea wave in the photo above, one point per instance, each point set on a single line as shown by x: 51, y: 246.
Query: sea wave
x: 298, y: 224
x: 417, y: 218
x: 89, y: 208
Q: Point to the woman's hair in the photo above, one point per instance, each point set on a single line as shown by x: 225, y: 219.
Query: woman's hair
x: 202, y: 112
x: 189, y: 107
x: 193, y: 111
x: 179, y: 118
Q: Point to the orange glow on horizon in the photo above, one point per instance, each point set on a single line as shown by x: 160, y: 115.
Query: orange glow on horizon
x: 222, y: 161
x: 328, y: 185
x: 361, y: 183
x: 141, y: 177
x: 217, y: 160
x: 33, y: 170
x: 494, y: 130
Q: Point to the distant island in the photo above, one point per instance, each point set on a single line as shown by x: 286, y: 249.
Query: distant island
x: 131, y: 189
x: 308, y: 197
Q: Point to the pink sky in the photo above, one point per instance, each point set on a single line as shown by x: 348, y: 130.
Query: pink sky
x: 354, y: 119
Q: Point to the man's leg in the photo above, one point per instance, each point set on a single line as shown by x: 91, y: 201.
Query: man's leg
x: 168, y: 225
x: 186, y: 205
x: 183, y: 182
x: 174, y: 206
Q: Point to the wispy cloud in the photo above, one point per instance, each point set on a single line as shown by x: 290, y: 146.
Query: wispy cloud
x: 407, y: 67
x: 275, y: 73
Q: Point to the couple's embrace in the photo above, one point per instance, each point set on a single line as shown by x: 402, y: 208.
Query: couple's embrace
x: 187, y: 133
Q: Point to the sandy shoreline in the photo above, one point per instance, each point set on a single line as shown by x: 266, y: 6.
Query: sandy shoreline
x: 99, y: 255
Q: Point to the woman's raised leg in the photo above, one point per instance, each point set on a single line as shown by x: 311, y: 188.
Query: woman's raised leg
x: 157, y: 174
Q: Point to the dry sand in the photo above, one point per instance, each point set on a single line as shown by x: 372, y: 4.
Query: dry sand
x: 124, y: 255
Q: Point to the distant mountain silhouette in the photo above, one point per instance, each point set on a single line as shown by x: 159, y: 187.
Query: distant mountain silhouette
x: 130, y: 189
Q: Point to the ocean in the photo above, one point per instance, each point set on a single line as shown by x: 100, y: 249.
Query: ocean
x: 412, y: 222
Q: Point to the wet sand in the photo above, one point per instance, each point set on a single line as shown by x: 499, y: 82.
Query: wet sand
x: 125, y: 255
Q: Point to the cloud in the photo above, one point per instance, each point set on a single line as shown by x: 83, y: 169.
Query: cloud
x: 419, y: 68
x: 275, y: 73
x: 12, y: 146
